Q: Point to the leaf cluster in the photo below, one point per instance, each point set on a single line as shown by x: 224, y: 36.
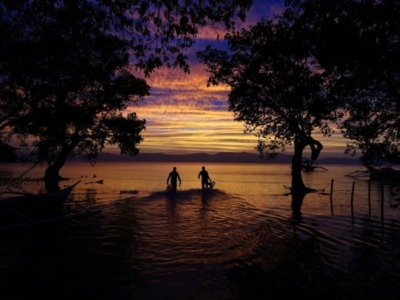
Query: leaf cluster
x: 65, y: 80
x: 278, y: 89
x: 358, y: 42
x: 65, y: 66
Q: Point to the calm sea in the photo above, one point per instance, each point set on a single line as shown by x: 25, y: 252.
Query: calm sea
x: 237, y: 241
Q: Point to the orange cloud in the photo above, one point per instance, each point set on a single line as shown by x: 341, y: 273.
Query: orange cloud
x: 184, y: 115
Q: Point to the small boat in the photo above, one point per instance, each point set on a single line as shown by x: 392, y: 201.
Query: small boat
x: 309, y: 165
x: 30, y: 210
x: 384, y: 173
x: 380, y: 174
x: 129, y: 192
x: 29, y: 201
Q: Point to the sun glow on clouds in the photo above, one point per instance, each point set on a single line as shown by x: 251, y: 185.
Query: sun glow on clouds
x: 183, y: 115
x: 189, y: 119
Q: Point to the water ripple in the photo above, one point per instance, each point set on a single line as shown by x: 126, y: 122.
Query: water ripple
x: 210, y: 245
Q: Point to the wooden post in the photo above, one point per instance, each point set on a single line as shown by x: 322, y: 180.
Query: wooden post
x: 331, y: 196
x: 352, y: 198
x: 382, y: 202
x: 369, y: 198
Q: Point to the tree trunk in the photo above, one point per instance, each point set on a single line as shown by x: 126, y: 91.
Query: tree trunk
x: 299, y: 190
x: 297, y: 202
x: 298, y: 186
x: 52, y: 174
x: 297, y: 179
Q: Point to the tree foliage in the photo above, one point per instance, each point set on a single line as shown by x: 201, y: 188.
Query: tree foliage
x: 277, y: 87
x: 358, y: 42
x: 65, y: 68
x: 72, y: 82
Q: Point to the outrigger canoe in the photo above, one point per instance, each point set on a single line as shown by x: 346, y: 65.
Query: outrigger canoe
x: 29, y: 201
x: 30, y: 210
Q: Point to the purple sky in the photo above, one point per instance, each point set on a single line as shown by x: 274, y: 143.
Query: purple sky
x: 184, y: 116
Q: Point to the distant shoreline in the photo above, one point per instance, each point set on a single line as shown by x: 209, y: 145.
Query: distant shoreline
x: 222, y: 157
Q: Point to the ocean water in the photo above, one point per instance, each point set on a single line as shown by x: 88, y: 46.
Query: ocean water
x: 237, y: 241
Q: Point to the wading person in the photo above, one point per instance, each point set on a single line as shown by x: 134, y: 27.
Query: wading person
x: 174, y: 177
x: 204, y: 178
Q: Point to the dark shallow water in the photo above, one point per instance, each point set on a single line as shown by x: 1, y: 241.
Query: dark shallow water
x: 202, y: 246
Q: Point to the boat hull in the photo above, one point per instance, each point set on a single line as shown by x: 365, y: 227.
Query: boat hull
x: 32, y: 208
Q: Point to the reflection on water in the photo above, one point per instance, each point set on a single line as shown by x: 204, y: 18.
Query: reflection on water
x: 215, y: 245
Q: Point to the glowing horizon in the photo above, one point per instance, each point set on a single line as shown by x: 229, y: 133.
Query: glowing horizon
x: 185, y: 116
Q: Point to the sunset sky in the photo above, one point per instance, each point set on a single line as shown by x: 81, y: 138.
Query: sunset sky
x: 184, y: 116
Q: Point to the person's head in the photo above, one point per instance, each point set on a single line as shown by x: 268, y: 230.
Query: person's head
x: 203, y: 168
x: 174, y: 168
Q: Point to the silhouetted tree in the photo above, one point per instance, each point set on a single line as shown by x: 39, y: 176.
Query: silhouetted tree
x: 65, y: 77
x: 358, y: 42
x: 277, y: 89
x: 74, y: 83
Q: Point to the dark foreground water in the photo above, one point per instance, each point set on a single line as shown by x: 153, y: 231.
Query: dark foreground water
x: 201, y: 246
x: 238, y: 241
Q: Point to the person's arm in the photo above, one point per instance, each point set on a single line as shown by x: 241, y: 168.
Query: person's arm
x: 179, y: 177
x: 168, y: 177
x: 198, y: 176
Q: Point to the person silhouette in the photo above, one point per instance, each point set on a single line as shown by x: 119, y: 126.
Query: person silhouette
x: 174, y: 176
x: 205, y: 178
